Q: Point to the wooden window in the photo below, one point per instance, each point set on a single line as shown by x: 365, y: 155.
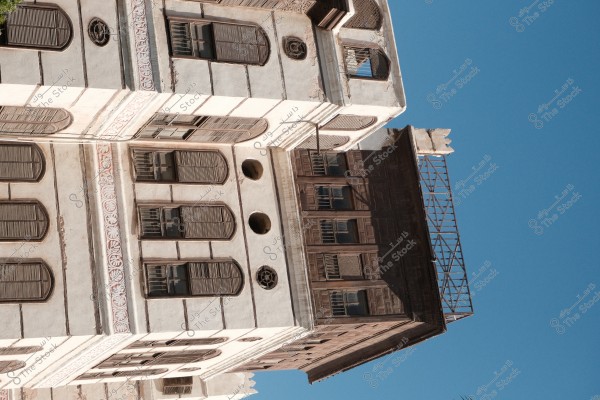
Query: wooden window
x: 37, y: 26
x: 345, y: 267
x: 330, y: 164
x: 349, y: 303
x: 181, y: 385
x: 202, y: 129
x: 11, y: 351
x: 338, y: 232
x: 326, y: 142
x: 366, y: 63
x: 10, y: 366
x: 218, y: 41
x: 179, y: 166
x: 163, y: 358
x: 177, y: 342
x: 334, y: 197
x: 367, y: 16
x: 349, y: 123
x: 24, y: 281
x: 21, y: 162
x: 198, y: 278
x: 133, y: 374
x: 21, y: 220
x: 187, y: 222
x: 33, y: 121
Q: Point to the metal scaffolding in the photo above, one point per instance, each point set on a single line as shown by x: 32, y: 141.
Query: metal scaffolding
x: 445, y: 239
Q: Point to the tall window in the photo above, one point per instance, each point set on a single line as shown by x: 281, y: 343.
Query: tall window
x: 346, y: 267
x: 186, y: 222
x: 367, y: 16
x: 177, y: 342
x: 33, y: 120
x: 331, y: 164
x: 163, y: 358
x: 349, y: 123
x: 217, y: 41
x: 37, y: 26
x: 334, y: 197
x: 21, y: 220
x: 202, y: 278
x: 24, y: 282
x: 179, y: 166
x: 349, y: 303
x: 202, y: 129
x: 21, y: 162
x: 339, y: 232
x: 366, y: 63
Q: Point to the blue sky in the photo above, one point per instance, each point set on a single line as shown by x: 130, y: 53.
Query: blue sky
x: 533, y: 269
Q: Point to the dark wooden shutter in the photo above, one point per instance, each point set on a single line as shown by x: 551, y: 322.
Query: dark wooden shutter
x: 189, y: 356
x: 44, y: 27
x: 229, y: 129
x: 33, y: 120
x: 11, y: 365
x: 181, y: 385
x: 22, y: 221
x: 207, y: 222
x: 21, y: 162
x: 214, y: 278
x: 326, y: 142
x: 21, y: 282
x: 11, y: 351
x: 367, y: 16
x: 200, y: 167
x: 240, y: 44
x: 349, y: 123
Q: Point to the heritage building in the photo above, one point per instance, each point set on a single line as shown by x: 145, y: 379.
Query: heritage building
x: 190, y: 191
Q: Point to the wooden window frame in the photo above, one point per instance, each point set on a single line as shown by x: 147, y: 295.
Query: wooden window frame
x: 327, y: 200
x: 324, y: 160
x: 331, y: 124
x: 361, y: 48
x: 34, y: 149
x: 124, y: 360
x: 365, y: 10
x: 337, y: 229
x: 142, y: 344
x: 342, y: 301
x: 56, y: 125
x: 44, y: 213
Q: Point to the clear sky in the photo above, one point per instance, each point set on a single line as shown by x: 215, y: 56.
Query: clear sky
x: 518, y: 73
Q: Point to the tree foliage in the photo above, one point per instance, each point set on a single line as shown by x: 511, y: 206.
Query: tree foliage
x: 7, y: 6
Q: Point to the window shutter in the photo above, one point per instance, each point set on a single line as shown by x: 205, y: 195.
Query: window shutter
x: 11, y: 365
x: 181, y: 385
x: 367, y: 16
x: 326, y: 142
x: 215, y: 278
x: 350, y: 266
x: 21, y: 162
x: 36, y: 26
x: 24, y: 282
x: 349, y: 123
x: 200, y: 167
x: 33, y: 120
x: 207, y: 222
x: 229, y: 129
x: 22, y: 221
x: 240, y: 44
x: 11, y: 351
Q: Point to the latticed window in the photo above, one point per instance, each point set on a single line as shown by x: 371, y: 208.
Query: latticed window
x: 339, y: 266
x: 37, y: 26
x: 177, y: 342
x: 179, y: 166
x: 326, y: 142
x: 367, y: 16
x: 186, y: 222
x: 24, y: 281
x: 338, y: 232
x: 10, y: 366
x: 366, y: 63
x: 349, y: 303
x: 202, y: 129
x: 22, y: 221
x: 331, y: 164
x: 163, y: 358
x: 33, y: 120
x: 334, y: 197
x: 218, y: 41
x: 21, y: 162
x: 181, y: 385
x: 202, y: 278
x: 11, y: 351
x: 132, y: 374
x: 349, y: 123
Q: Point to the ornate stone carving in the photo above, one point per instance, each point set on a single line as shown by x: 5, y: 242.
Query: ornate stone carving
x: 294, y: 48
x: 98, y: 32
x: 141, y: 42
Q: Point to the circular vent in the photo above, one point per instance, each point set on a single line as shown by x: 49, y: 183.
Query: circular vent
x: 252, y: 169
x: 259, y: 223
x: 266, y: 277
x: 294, y: 48
x: 99, y: 32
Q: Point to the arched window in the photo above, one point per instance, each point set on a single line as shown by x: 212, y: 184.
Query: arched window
x: 11, y: 351
x: 179, y: 166
x: 24, y: 282
x: 210, y: 222
x: 21, y: 162
x: 132, y: 374
x: 37, y: 26
x: 202, y: 129
x: 163, y: 358
x: 10, y: 366
x: 218, y: 41
x: 33, y: 120
x: 367, y: 16
x: 326, y: 142
x: 22, y: 220
x: 177, y: 342
x: 194, y: 278
x: 366, y: 62
x: 349, y: 123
